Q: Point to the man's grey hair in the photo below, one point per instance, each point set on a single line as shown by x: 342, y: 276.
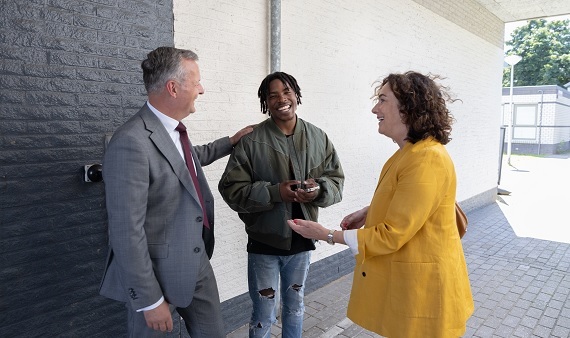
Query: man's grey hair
x: 163, y: 64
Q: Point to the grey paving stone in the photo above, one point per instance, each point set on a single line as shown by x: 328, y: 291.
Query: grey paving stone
x: 504, y: 331
x: 522, y: 332
x: 561, y: 332
x: 563, y: 321
x: 511, y: 320
x: 484, y: 331
x: 313, y: 332
x: 547, y: 321
x: 541, y: 331
x: 352, y: 331
x: 529, y: 322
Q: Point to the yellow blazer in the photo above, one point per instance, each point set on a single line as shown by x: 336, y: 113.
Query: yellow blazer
x: 410, y: 278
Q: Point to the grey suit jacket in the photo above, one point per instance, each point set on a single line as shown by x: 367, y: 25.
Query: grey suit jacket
x: 154, y: 215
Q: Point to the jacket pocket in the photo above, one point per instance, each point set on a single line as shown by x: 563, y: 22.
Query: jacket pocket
x: 415, y: 289
x: 158, y: 250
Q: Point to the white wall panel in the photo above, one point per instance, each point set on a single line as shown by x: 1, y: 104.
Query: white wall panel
x: 337, y: 49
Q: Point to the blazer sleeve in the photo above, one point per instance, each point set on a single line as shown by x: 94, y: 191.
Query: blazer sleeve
x: 417, y: 189
x: 126, y: 178
x: 213, y: 151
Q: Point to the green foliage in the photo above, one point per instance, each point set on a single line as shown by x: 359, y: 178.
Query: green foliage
x: 545, y: 50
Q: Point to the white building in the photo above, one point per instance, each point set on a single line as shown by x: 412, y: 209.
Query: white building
x: 540, y: 119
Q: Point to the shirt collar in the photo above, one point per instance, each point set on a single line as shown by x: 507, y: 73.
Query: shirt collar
x: 169, y: 123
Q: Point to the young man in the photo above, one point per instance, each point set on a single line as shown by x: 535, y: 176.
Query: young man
x: 286, y: 168
x: 160, y: 208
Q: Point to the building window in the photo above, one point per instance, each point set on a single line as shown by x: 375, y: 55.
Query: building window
x: 524, y: 123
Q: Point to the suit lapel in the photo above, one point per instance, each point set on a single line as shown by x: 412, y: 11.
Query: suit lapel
x: 161, y: 139
x: 200, y: 173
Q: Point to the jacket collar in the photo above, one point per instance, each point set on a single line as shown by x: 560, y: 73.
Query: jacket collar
x: 163, y: 142
x: 299, y: 126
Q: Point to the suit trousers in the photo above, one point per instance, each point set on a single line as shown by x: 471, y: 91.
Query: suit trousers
x: 203, y: 317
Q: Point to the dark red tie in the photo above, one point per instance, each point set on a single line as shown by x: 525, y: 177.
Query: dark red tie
x: 186, y: 147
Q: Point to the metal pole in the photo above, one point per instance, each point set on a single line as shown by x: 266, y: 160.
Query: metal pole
x: 275, y: 35
x: 510, y: 128
x: 540, y: 121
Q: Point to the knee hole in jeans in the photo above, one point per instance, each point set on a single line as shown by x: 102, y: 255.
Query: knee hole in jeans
x: 269, y: 293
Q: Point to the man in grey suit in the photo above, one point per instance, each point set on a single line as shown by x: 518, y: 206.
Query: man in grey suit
x: 160, y: 221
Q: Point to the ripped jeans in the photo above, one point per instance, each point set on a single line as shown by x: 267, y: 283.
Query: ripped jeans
x: 263, y: 279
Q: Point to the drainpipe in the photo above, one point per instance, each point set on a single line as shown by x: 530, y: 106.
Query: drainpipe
x: 540, y: 120
x: 275, y: 35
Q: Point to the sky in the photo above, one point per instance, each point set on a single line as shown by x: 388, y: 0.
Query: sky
x: 510, y: 26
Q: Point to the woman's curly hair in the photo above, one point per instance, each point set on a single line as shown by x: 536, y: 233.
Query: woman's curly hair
x: 422, y: 104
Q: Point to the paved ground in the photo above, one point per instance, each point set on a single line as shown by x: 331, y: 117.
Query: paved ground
x: 518, y: 256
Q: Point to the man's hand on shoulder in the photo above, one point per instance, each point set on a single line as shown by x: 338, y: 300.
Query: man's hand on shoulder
x: 244, y: 131
x: 159, y: 318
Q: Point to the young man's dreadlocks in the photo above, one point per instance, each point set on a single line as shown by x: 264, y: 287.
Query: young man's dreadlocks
x: 287, y: 79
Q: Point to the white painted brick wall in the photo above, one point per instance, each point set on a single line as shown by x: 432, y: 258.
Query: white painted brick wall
x: 337, y: 49
x: 230, y: 38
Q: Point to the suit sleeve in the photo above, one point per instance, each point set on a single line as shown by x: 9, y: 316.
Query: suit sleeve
x: 126, y: 177
x: 213, y: 151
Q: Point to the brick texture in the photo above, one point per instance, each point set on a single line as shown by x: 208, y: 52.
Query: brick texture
x: 69, y: 75
x: 336, y: 50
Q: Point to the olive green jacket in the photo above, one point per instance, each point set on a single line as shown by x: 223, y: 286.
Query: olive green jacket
x: 261, y: 160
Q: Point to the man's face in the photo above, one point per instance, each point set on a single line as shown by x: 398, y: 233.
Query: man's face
x: 281, y: 101
x: 190, y: 88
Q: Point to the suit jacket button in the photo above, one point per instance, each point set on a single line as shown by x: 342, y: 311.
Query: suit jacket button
x: 364, y: 274
x: 196, y: 249
x: 133, y: 293
x: 199, y: 219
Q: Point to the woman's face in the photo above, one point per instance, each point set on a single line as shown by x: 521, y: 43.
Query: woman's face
x: 388, y: 113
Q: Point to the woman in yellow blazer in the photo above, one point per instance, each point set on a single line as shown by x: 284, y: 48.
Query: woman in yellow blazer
x: 410, y: 278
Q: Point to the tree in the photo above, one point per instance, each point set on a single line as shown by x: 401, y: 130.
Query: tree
x: 545, y: 50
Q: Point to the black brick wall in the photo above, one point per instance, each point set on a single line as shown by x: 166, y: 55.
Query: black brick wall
x: 69, y: 75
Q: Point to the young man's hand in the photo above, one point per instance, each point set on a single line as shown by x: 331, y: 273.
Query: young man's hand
x: 287, y: 190
x: 308, y: 193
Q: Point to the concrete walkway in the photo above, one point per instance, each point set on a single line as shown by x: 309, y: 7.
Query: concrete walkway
x: 518, y: 257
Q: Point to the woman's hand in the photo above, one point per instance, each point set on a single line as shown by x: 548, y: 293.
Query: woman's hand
x: 354, y: 220
x: 309, y: 229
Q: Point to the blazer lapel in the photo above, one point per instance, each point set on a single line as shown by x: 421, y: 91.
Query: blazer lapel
x: 199, y: 173
x: 159, y: 136
x: 394, y: 159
